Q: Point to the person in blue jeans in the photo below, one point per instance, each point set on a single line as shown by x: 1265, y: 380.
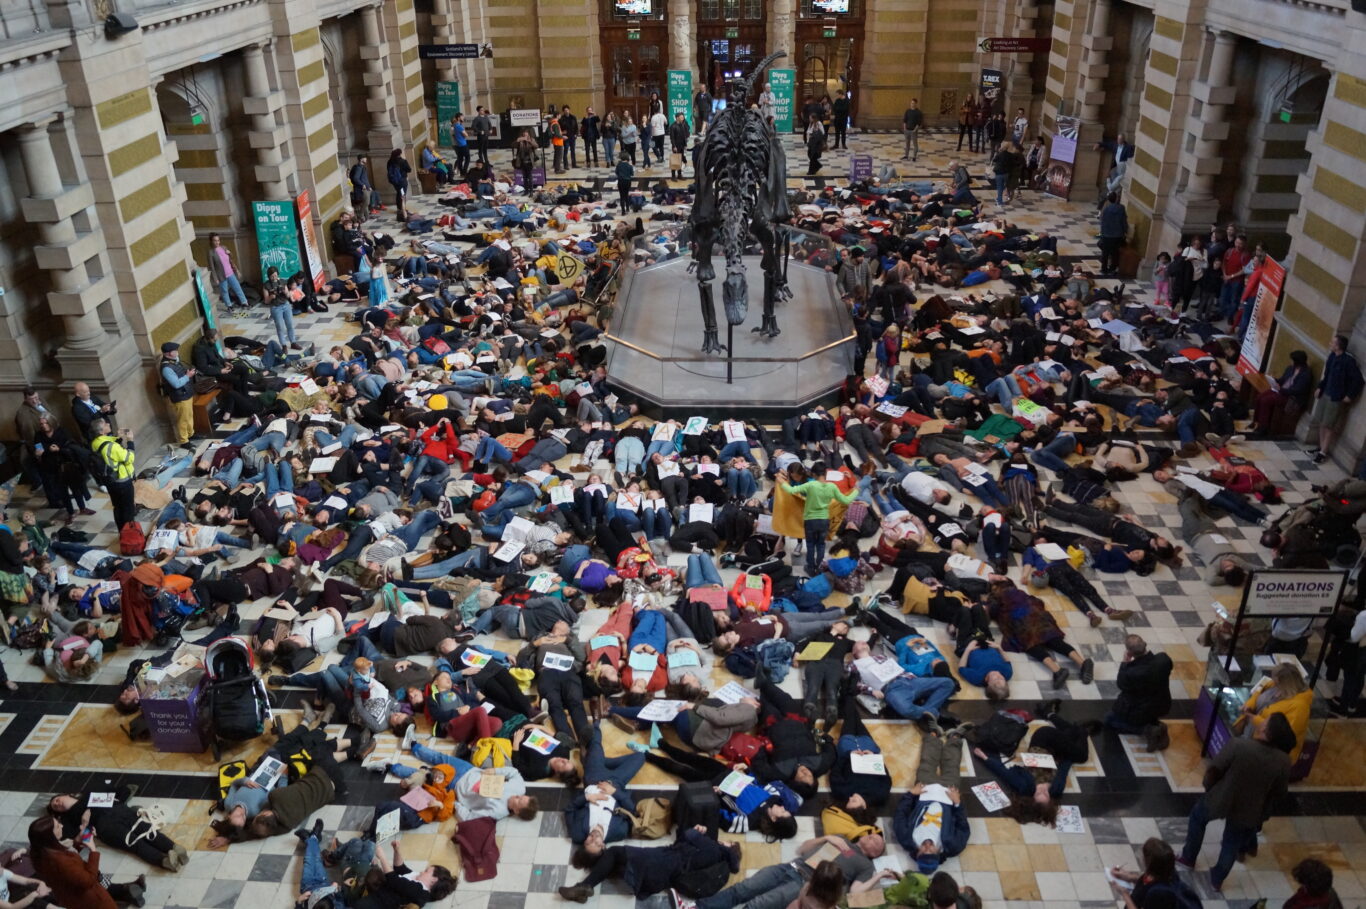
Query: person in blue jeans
x: 515, y: 495
x: 913, y: 697
x: 410, y: 533
x: 332, y: 682
x: 1052, y: 455
x: 740, y: 483
x: 701, y: 571
x: 657, y: 522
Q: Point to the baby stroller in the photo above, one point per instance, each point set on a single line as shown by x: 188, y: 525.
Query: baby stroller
x: 235, y: 705
x: 170, y: 614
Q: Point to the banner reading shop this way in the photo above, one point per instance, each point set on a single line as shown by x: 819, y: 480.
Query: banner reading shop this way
x: 784, y: 82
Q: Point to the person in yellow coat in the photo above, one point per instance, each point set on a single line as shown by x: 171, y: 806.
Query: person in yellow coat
x: 1285, y: 691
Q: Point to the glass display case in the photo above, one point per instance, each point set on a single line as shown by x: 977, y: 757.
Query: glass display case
x: 1230, y: 681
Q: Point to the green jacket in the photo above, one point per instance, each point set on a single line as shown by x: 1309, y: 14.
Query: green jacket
x: 817, y: 494
x: 293, y: 804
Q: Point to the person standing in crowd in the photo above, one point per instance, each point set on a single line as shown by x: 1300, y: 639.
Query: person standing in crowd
x: 569, y: 125
x: 590, y: 130
x: 397, y: 170
x: 625, y: 172
x: 659, y: 127
x: 1114, y: 230
x: 701, y: 110
x: 1121, y: 154
x: 224, y: 275
x: 611, y: 134
x: 1019, y: 127
x: 461, y: 141
x: 86, y: 407
x: 630, y: 136
x: 363, y: 195
x: 120, y: 462
x: 483, y: 129
x: 1340, y: 386
x: 281, y: 308
x: 768, y: 103
x: 815, y: 145
x: 678, y: 145
x: 177, y: 384
x: 911, y: 121
x: 966, y: 114
x: 557, y: 141
x: 1242, y: 783
x: 839, y: 119
x: 27, y: 421
x: 524, y: 157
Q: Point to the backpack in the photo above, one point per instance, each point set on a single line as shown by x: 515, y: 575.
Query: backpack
x: 697, y: 883
x: 742, y: 662
x: 99, y: 467
x: 697, y: 803
x: 132, y: 541
x: 741, y: 748
x: 653, y: 819
x: 1185, y: 897
x: 1001, y: 734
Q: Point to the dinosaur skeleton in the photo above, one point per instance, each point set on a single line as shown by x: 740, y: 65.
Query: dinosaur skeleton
x: 741, y: 190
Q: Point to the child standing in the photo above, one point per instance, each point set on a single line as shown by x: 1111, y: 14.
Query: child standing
x: 1161, y: 285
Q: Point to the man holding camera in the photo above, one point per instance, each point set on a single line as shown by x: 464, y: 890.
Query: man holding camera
x: 87, y: 407
x: 120, y: 459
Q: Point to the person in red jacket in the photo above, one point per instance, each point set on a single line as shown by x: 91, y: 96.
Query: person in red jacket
x: 435, y: 461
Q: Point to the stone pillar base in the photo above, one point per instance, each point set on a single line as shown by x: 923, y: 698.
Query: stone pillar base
x: 1092, y: 166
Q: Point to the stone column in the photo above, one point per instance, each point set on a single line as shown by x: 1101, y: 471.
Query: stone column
x: 1096, y: 43
x: 382, y: 136
x: 443, y: 32
x: 683, y: 38
x: 1209, y: 127
x: 266, y: 135
x: 64, y: 250
x: 782, y: 32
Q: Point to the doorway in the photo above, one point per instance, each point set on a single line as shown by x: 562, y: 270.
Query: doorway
x: 635, y: 52
x: 829, y: 52
x: 731, y: 38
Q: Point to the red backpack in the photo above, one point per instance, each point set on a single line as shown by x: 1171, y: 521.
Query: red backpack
x: 132, y: 541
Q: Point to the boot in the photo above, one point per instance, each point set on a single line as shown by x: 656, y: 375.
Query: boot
x: 576, y: 894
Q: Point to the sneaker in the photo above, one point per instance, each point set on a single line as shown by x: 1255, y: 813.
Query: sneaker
x: 623, y: 723
x: 578, y: 894
x: 1088, y: 671
x: 277, y: 680
x: 1120, y: 615
x: 1094, y: 618
x: 1320, y: 458
x: 1060, y: 677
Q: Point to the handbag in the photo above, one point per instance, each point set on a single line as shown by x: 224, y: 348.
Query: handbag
x: 653, y: 819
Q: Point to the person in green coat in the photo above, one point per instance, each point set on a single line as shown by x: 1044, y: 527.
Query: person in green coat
x: 816, y: 496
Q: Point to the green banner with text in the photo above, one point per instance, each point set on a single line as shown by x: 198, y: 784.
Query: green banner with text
x: 277, y: 238
x: 784, y: 82
x: 680, y: 94
x: 447, y: 106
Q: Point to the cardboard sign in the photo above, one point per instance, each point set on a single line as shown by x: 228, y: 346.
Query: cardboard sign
x: 815, y: 650
x: 491, y: 784
x: 827, y: 853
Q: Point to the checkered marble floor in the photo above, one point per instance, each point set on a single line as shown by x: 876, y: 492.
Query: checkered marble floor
x: 58, y: 738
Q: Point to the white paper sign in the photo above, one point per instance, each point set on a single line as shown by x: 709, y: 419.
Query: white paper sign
x: 695, y: 426
x: 663, y: 432
x: 713, y: 469
x: 1069, y: 820
x: 702, y: 511
x: 734, y: 430
x: 667, y: 469
x: 162, y: 539
x: 735, y: 783
x: 871, y: 764
x: 732, y: 693
x: 386, y: 826
x: 992, y: 797
x: 661, y: 710
x: 509, y: 551
x: 1038, y: 759
x: 562, y: 494
x: 100, y: 800
x: 1051, y: 551
x: 560, y: 662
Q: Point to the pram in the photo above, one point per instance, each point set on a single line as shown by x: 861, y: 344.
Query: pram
x: 1327, y: 526
x: 235, y: 706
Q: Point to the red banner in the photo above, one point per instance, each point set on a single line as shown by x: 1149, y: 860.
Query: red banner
x: 1270, y: 278
x: 1014, y: 45
x: 304, y: 208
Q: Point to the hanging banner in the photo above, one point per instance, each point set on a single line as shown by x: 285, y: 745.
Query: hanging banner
x: 990, y: 84
x: 1271, y: 278
x: 447, y: 106
x: 303, y: 207
x: 784, y: 82
x: 201, y: 295
x: 454, y: 51
x: 277, y: 237
x: 1062, y: 158
x: 680, y: 95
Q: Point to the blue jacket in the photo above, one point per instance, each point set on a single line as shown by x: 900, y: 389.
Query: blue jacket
x: 953, y: 838
x: 1341, y: 378
x: 1114, y: 220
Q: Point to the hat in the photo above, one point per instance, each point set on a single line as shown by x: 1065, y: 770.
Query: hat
x: 927, y: 864
x: 437, y: 402
x: 169, y: 346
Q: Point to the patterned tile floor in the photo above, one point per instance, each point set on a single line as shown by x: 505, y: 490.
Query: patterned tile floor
x: 58, y: 738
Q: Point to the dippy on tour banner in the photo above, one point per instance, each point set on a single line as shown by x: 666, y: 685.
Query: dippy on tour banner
x: 784, y: 82
x: 277, y: 237
x: 680, y: 94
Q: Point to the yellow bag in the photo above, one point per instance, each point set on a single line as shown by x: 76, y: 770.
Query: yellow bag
x: 491, y: 753
x: 523, y: 677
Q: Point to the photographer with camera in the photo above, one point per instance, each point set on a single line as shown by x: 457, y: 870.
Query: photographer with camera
x: 87, y: 407
x: 114, y: 467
